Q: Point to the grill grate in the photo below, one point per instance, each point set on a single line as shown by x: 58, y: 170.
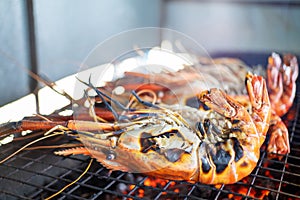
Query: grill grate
x: 37, y: 174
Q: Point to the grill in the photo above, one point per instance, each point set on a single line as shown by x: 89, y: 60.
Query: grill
x: 37, y: 174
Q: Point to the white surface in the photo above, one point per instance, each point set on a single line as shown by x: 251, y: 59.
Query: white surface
x: 49, y: 100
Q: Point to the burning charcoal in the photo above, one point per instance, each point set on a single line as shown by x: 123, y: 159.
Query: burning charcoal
x: 122, y: 188
x: 129, y: 177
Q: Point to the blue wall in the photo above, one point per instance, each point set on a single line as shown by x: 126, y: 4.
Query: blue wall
x: 13, y: 51
x: 240, y: 26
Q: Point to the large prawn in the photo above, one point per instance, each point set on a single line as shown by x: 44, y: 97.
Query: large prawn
x: 158, y: 141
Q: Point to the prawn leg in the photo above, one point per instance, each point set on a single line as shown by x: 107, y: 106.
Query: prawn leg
x: 279, y: 137
x: 43, y: 125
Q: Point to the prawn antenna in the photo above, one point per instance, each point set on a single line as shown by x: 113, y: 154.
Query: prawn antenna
x: 103, y: 94
x: 100, y: 94
x: 146, y: 103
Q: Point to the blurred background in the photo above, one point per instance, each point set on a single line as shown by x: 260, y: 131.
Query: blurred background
x: 53, y: 37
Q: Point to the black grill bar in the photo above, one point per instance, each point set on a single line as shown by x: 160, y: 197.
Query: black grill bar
x: 136, y: 186
x: 164, y: 189
x: 263, y: 154
x: 219, y: 192
x: 190, y: 192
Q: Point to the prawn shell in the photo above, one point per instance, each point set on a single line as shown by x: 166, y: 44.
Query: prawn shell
x: 150, y: 163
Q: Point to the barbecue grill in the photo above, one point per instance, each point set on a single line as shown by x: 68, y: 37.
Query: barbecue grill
x: 38, y: 173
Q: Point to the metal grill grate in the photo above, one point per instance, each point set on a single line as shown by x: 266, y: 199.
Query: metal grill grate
x: 36, y: 174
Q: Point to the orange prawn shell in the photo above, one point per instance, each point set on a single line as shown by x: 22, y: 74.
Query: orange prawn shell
x: 151, y: 163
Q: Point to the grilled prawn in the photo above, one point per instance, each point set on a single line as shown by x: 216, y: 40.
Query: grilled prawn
x: 222, y: 146
x: 158, y: 141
